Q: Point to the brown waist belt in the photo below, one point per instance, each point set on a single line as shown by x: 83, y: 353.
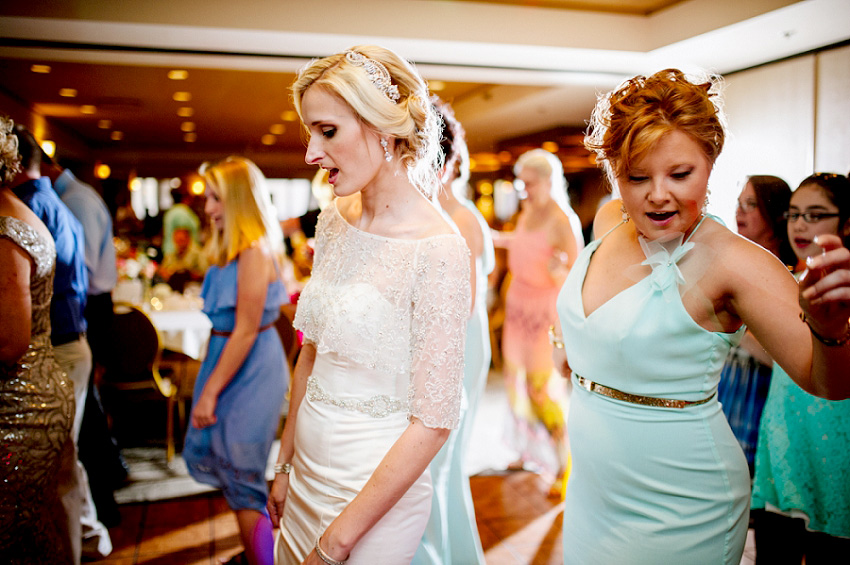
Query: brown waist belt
x: 228, y: 334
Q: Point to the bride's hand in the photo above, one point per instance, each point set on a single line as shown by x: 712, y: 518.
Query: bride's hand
x: 277, y: 498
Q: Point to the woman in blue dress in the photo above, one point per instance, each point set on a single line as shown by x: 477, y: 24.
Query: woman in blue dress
x: 649, y: 312
x: 241, y: 384
x: 745, y: 378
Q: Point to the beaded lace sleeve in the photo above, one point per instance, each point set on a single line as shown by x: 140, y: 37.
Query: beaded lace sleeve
x: 394, y: 306
x: 441, y: 302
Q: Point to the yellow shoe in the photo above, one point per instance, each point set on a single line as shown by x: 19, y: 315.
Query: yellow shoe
x: 559, y: 487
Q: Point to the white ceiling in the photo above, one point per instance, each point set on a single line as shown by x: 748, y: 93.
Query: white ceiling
x: 537, y: 67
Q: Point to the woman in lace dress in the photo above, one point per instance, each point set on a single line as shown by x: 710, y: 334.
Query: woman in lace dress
x: 377, y: 387
x: 36, y: 398
x: 649, y: 312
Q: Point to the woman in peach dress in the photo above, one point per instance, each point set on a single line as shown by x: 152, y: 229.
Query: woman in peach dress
x: 541, y: 251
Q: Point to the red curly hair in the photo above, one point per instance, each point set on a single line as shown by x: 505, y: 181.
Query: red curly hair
x: 629, y: 121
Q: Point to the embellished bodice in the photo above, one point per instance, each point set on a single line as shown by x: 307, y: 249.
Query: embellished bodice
x: 43, y: 254
x: 391, y: 306
x: 643, y: 340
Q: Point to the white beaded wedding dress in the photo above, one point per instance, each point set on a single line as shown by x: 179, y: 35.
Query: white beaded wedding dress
x: 388, y: 319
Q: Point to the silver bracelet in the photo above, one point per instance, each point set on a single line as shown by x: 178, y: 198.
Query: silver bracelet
x: 324, y: 556
x: 555, y: 339
x: 282, y: 468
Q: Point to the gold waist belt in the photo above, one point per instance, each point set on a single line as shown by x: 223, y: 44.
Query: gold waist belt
x: 603, y: 390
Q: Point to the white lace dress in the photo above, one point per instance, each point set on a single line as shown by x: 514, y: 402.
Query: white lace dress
x: 388, y: 319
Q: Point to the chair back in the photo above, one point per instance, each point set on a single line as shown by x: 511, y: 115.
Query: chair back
x: 132, y: 365
x: 135, y: 350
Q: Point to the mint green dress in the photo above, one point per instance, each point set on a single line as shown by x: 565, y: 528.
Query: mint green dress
x: 803, y: 457
x: 649, y: 485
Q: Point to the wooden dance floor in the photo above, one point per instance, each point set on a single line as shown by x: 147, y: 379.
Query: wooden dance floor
x: 518, y: 524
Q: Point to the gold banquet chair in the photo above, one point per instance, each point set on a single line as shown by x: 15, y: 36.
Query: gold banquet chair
x: 132, y: 369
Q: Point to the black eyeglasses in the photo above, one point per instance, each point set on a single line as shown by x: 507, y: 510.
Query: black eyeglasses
x: 747, y: 205
x: 809, y: 217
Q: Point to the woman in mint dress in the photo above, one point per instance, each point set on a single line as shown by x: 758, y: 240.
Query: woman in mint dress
x: 801, y: 493
x: 451, y: 535
x: 240, y: 387
x: 649, y: 312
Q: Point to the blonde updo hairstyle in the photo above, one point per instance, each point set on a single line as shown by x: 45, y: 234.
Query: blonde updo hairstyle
x: 411, y: 121
x: 547, y: 166
x: 249, y: 215
x: 628, y: 122
x: 10, y: 160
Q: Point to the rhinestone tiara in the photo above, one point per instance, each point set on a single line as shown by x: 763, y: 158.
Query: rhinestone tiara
x: 378, y: 73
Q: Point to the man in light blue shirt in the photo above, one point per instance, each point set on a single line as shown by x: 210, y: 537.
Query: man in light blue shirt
x: 90, y: 209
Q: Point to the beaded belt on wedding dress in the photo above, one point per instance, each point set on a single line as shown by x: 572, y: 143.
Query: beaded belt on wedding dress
x: 378, y: 406
x: 603, y: 390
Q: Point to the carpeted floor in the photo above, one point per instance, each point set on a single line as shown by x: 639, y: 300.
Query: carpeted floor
x: 152, y: 478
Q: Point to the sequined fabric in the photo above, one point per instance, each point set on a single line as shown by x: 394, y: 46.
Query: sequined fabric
x: 36, y: 410
x: 393, y: 305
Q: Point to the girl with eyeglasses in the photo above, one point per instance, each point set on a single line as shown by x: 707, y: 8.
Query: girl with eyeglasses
x: 801, y: 495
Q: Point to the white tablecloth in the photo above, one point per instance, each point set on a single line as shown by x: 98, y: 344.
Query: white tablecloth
x: 184, y: 331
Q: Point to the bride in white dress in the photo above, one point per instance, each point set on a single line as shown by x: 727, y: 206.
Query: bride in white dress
x: 377, y: 386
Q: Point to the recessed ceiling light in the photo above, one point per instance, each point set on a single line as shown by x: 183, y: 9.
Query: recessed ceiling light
x: 41, y: 69
x: 102, y: 171
x: 187, y: 126
x: 88, y: 109
x: 182, y: 96
x: 289, y: 116
x: 117, y: 135
x: 185, y: 111
x: 190, y: 137
x: 277, y: 129
x: 268, y: 139
x: 68, y: 92
x: 178, y: 74
x: 104, y: 124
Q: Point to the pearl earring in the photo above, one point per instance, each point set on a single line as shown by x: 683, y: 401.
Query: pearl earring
x: 387, y: 154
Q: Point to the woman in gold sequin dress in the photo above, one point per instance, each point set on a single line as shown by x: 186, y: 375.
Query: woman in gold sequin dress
x: 36, y: 400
